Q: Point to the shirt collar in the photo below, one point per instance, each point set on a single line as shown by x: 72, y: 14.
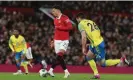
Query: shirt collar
x: 15, y: 37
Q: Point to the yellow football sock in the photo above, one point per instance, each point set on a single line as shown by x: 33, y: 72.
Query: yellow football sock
x: 112, y: 62
x: 93, y: 66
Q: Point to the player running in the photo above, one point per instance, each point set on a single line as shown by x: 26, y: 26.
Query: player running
x: 89, y: 30
x: 61, y: 39
x: 18, y: 46
x: 29, y: 53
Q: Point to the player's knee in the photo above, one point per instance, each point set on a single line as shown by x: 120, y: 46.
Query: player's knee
x: 17, y: 60
x: 103, y: 64
x: 18, y: 64
x: 22, y: 56
x: 30, y: 60
x: 88, y: 58
x: 90, y: 54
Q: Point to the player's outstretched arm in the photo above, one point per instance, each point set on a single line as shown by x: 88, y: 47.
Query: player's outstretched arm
x: 24, y: 45
x: 84, y: 41
x: 10, y: 45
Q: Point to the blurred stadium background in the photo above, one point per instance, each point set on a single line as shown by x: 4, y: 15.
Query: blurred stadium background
x: 115, y: 19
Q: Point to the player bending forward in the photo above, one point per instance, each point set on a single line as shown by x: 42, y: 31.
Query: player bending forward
x: 18, y: 46
x: 61, y: 39
x: 89, y: 30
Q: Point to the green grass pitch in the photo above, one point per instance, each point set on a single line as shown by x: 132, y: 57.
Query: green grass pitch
x: 35, y: 76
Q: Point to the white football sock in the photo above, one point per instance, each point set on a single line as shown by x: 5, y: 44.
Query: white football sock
x: 66, y: 71
x: 44, y: 64
x: 19, y: 71
x: 51, y: 70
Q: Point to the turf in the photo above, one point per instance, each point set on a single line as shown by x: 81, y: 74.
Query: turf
x: 35, y: 76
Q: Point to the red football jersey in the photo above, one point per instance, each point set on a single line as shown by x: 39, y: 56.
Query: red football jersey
x: 28, y: 45
x: 62, y: 28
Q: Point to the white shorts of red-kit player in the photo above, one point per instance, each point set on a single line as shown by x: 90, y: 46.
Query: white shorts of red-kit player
x: 60, y: 44
x: 29, y: 53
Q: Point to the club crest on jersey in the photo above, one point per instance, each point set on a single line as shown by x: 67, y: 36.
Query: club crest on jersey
x: 59, y: 21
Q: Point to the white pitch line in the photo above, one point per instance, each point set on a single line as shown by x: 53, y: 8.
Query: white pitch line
x: 47, y: 12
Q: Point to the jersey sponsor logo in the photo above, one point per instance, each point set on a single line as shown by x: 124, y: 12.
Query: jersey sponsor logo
x: 59, y: 21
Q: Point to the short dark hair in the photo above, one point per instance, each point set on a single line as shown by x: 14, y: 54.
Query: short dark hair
x: 80, y: 15
x: 57, y: 7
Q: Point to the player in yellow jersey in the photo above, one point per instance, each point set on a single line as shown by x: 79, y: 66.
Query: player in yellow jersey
x: 18, y: 46
x: 90, y: 31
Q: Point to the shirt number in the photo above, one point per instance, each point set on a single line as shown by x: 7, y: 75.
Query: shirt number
x: 93, y: 26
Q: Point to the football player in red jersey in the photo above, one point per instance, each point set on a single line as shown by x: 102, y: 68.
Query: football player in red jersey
x: 29, y: 53
x: 61, y: 38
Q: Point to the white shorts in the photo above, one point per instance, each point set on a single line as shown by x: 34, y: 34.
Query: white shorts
x: 60, y: 44
x: 29, y: 53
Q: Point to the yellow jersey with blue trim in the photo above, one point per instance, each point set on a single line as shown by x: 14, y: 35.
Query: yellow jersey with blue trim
x: 17, y: 44
x: 92, y: 31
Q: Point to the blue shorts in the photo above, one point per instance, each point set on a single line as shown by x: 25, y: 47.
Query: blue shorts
x: 99, y: 51
x: 18, y: 55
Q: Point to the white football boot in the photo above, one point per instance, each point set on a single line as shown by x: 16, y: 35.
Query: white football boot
x: 19, y: 72
x: 50, y: 72
x: 67, y: 74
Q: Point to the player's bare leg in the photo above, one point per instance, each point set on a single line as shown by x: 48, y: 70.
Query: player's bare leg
x: 90, y: 57
x: 18, y: 67
x: 30, y: 63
